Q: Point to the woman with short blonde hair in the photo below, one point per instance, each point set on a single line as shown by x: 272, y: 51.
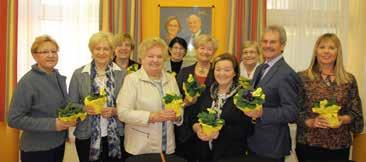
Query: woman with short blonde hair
x: 251, y: 56
x: 100, y: 136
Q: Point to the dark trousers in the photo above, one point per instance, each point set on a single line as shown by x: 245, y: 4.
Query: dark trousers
x: 310, y: 153
x: 83, y: 149
x: 254, y: 157
x: 186, y: 149
x: 53, y: 155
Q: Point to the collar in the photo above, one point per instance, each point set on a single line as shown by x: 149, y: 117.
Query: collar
x: 38, y: 70
x: 197, y: 33
x: 273, y: 61
x: 142, y: 74
x: 86, y: 68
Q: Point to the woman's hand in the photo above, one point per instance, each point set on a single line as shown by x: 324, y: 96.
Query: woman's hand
x: 318, y: 122
x: 189, y: 103
x: 254, y: 114
x: 203, y: 136
x: 61, y: 125
x: 108, y: 112
x: 344, y: 119
x: 90, y: 110
x: 163, y: 115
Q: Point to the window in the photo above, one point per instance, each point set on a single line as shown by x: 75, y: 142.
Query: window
x: 304, y: 22
x: 69, y: 22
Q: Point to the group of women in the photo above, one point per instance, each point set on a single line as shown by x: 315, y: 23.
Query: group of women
x: 135, y: 121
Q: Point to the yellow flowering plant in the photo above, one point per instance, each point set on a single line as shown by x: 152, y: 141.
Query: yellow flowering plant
x: 244, y: 82
x: 329, y: 110
x: 192, y: 88
x: 71, y: 113
x: 132, y: 68
x: 210, y: 121
x: 97, y: 101
x: 173, y: 102
x: 248, y: 99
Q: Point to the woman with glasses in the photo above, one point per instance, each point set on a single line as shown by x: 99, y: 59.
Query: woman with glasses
x: 177, y: 50
x: 33, y: 109
x: 250, y: 57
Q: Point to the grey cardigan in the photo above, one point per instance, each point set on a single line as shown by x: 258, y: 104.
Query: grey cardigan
x: 33, y: 109
x: 80, y: 88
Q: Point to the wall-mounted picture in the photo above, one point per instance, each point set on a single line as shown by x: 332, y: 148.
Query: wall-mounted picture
x: 185, y: 22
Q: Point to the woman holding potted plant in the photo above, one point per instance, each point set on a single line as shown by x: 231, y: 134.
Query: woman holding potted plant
x: 230, y: 140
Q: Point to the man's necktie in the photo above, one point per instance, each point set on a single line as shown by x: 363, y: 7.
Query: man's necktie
x: 260, y: 74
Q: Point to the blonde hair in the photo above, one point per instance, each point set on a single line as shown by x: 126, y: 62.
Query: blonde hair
x: 171, y: 18
x: 150, y: 43
x: 204, y: 39
x: 255, y: 45
x: 341, y: 75
x: 100, y: 37
x: 40, y: 40
x: 119, y: 38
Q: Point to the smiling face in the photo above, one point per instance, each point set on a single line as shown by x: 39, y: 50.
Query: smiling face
x: 177, y: 52
x: 153, y: 60
x: 102, y: 53
x: 173, y: 27
x: 326, y: 53
x: 271, y: 45
x: 124, y: 50
x: 250, y: 56
x: 224, y: 72
x: 46, y: 56
x: 205, y: 52
x: 194, y: 23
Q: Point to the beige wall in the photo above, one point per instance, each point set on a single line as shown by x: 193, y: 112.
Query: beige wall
x: 357, y: 46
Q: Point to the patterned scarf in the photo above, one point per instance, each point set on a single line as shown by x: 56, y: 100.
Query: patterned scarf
x: 219, y: 100
x: 114, y: 149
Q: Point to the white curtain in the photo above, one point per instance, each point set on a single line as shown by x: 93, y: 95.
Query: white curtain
x: 69, y: 22
x: 305, y: 21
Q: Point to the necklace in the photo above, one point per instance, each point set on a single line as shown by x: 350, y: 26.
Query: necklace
x: 202, y: 70
x: 100, y: 73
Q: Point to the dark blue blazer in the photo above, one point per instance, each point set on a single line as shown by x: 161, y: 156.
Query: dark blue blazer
x: 271, y: 136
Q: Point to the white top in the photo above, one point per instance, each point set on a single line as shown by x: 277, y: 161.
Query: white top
x: 244, y: 73
x: 101, y: 80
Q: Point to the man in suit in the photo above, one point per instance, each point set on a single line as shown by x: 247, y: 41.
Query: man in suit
x: 195, y: 27
x: 271, y: 139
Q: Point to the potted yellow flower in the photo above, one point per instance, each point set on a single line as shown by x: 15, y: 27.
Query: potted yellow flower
x: 248, y: 99
x: 97, y: 101
x: 173, y: 102
x: 71, y: 113
x: 328, y: 110
x: 192, y: 88
x: 210, y: 122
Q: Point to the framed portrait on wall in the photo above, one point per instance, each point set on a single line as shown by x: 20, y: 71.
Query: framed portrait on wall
x: 187, y: 23
x: 186, y: 19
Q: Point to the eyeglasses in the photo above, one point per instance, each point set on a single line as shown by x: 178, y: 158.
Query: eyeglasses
x: 249, y: 52
x: 178, y: 49
x: 47, y: 52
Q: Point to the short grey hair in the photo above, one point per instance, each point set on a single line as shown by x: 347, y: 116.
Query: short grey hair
x: 277, y: 28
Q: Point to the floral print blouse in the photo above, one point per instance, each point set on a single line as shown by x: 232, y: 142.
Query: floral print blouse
x: 346, y: 96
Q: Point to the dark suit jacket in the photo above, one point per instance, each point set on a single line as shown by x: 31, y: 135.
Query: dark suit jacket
x: 232, y: 138
x: 184, y: 132
x: 271, y: 137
